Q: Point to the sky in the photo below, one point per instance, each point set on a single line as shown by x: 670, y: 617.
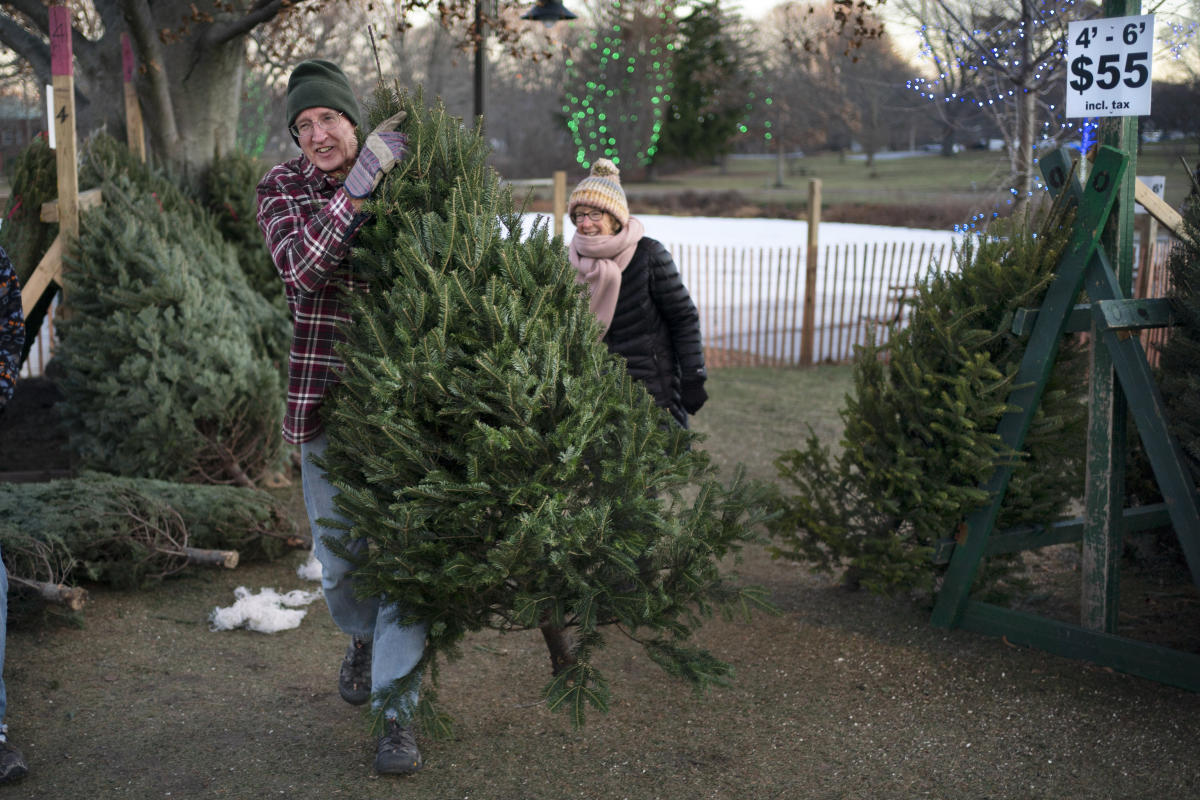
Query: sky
x: 903, y: 38
x: 753, y: 9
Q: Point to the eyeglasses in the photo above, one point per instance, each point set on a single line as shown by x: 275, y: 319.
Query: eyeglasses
x: 326, y: 122
x: 594, y: 216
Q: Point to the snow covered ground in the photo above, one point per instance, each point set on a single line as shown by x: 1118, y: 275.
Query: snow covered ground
x: 747, y: 277
x: 731, y: 232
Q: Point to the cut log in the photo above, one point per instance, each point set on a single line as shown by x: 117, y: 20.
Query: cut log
x: 277, y: 480
x: 73, y: 597
x: 215, y: 558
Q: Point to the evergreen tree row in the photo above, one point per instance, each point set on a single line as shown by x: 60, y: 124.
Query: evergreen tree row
x: 169, y: 360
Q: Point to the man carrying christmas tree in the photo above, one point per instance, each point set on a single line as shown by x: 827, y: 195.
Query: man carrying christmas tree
x: 309, y: 209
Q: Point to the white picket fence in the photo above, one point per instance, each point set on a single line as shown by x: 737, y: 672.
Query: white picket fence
x: 43, y: 345
x: 751, y: 300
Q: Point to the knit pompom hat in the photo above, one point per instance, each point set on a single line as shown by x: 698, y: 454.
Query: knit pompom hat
x: 601, y: 189
x: 319, y: 83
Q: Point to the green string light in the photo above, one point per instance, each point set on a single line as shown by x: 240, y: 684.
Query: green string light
x: 624, y: 75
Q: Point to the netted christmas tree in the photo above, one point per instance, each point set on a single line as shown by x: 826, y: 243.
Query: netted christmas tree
x: 224, y: 211
x: 33, y: 179
x: 169, y: 359
x: 503, y: 468
x: 920, y: 426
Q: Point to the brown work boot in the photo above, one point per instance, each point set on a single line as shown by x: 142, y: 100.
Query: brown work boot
x: 396, y: 752
x: 354, y: 677
x: 12, y: 763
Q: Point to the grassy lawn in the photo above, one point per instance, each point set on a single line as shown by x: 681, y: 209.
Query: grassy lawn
x: 845, y: 180
x: 753, y: 413
x: 1162, y: 158
x: 971, y: 174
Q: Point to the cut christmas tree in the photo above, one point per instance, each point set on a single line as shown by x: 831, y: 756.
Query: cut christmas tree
x: 503, y: 468
x: 920, y: 427
x: 168, y: 356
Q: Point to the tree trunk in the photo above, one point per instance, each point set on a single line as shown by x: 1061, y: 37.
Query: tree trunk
x: 72, y: 597
x: 1023, y: 152
x: 559, y: 644
x: 948, y: 140
x: 211, y: 558
x: 780, y: 162
x: 189, y: 60
x: 207, y: 120
x: 1026, y: 113
x: 190, y: 87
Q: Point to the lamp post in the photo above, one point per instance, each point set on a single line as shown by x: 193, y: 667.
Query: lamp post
x: 546, y: 12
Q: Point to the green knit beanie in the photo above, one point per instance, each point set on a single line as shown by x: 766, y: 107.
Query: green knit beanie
x: 320, y: 83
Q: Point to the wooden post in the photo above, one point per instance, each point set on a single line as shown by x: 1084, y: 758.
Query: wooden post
x: 808, y: 328
x: 63, y: 81
x: 134, y: 134
x: 48, y: 270
x: 1104, y: 488
x: 559, y: 203
x: 1095, y: 202
x: 1146, y: 262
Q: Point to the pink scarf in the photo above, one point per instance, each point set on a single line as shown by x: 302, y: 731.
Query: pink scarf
x: 599, y: 262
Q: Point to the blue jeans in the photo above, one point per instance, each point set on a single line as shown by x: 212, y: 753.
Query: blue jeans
x: 396, y: 648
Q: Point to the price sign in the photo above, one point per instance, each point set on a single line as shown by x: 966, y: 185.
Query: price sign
x: 1109, y: 66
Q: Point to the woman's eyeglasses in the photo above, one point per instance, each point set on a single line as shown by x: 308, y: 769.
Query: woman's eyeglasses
x: 594, y: 216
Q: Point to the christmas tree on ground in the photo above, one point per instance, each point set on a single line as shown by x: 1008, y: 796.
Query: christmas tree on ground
x: 503, y: 468
x: 1180, y: 378
x: 132, y: 532
x: 166, y: 353
x: 920, y: 426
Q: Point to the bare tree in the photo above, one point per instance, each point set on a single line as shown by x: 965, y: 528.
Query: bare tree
x: 1005, y: 57
x: 192, y: 57
x: 829, y: 85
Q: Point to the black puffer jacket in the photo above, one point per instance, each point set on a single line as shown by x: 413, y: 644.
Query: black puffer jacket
x: 656, y: 328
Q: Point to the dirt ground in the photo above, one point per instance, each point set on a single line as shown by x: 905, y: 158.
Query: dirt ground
x: 841, y: 695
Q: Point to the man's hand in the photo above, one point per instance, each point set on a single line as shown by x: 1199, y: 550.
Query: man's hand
x: 383, y: 149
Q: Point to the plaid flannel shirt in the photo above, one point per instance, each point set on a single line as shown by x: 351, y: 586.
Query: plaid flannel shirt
x: 308, y: 225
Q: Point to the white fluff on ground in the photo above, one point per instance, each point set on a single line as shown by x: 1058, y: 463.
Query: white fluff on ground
x: 265, y: 612
x: 310, y: 570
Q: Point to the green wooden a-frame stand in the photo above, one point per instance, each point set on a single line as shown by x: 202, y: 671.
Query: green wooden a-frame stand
x: 1114, y: 321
